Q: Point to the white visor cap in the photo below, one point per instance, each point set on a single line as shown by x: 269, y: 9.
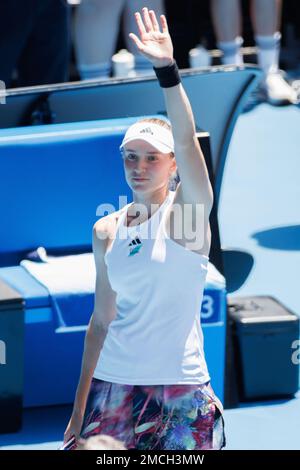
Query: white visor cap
x: 156, y: 135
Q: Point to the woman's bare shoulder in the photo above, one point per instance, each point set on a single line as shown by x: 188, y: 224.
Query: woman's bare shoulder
x: 105, y: 227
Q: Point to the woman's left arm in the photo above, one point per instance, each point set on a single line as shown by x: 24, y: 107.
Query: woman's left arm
x: 195, y: 183
x: 157, y: 46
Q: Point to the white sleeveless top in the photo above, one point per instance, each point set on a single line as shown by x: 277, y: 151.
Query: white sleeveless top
x: 156, y: 337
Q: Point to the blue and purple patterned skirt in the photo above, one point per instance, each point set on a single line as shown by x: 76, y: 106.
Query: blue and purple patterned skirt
x: 155, y: 417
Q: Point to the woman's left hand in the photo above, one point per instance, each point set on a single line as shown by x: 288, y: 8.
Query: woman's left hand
x: 155, y: 45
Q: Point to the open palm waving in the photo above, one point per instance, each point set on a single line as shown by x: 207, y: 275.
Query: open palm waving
x: 155, y: 45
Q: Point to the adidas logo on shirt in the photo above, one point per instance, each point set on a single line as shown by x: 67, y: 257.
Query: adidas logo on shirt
x: 135, y: 246
x: 135, y: 241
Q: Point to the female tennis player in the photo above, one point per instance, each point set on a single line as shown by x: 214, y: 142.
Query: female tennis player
x: 144, y: 378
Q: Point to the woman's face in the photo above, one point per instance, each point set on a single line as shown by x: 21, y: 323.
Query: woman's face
x: 146, y: 169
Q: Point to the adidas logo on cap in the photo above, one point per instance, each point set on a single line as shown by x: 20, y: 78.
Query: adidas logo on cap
x: 146, y: 129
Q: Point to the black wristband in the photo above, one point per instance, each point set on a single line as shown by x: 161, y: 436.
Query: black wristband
x: 168, y: 76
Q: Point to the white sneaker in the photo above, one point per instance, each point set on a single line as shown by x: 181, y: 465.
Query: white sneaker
x: 278, y: 91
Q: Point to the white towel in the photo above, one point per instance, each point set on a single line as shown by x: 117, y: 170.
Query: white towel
x: 70, y: 274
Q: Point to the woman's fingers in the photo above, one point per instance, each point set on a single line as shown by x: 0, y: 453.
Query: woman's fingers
x: 147, y: 20
x: 137, y: 41
x: 164, y: 24
x: 140, y: 24
x: 154, y: 21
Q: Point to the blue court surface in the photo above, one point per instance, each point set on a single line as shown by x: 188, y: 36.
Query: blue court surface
x: 259, y: 212
x: 260, y: 201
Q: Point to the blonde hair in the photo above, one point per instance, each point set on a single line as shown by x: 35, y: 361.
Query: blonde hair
x: 174, y: 178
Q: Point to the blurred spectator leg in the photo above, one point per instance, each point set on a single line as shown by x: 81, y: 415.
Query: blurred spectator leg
x: 227, y: 18
x: 16, y: 25
x: 96, y: 29
x: 266, y: 15
x: 142, y: 65
x: 45, y: 58
x: 266, y: 20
